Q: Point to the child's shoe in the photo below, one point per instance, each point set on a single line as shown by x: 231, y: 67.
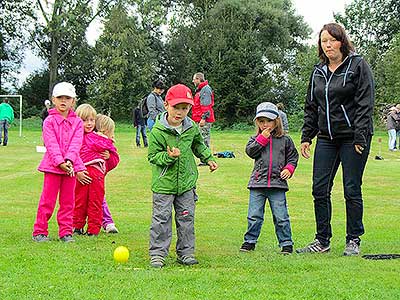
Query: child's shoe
x: 187, y: 260
x: 286, y: 250
x: 78, y: 231
x: 157, y: 261
x: 111, y: 228
x: 67, y: 239
x: 246, y: 247
x: 40, y: 238
x: 314, y: 247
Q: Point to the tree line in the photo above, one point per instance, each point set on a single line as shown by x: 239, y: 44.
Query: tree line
x: 250, y: 51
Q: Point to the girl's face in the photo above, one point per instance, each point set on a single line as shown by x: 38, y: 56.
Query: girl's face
x: 89, y: 123
x: 264, y: 123
x: 63, y: 104
x: 177, y: 113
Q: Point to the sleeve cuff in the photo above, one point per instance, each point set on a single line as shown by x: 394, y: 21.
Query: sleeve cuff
x: 262, y: 140
x: 290, y: 168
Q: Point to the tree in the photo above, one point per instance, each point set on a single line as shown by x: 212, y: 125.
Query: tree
x: 63, y: 29
x: 12, y: 37
x: 372, y: 25
x: 124, y: 64
x: 243, y: 47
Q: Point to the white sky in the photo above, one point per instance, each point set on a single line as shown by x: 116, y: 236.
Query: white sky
x: 315, y: 12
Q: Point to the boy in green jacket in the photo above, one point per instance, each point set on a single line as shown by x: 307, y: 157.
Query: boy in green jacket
x: 173, y: 141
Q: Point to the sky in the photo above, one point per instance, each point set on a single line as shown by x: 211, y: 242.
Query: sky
x: 315, y: 12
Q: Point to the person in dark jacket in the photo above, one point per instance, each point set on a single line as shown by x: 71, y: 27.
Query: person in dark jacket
x: 45, y: 111
x: 338, y: 110
x: 275, y: 159
x: 140, y: 124
x: 155, y: 103
x: 392, y: 125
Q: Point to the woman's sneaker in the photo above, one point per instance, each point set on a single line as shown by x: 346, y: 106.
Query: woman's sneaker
x: 111, y: 228
x: 352, y: 249
x: 314, y: 247
x: 246, y: 247
x: 286, y: 250
x: 40, y: 238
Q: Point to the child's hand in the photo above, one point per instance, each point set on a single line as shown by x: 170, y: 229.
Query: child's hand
x: 67, y: 168
x: 266, y: 132
x: 71, y: 168
x: 285, y: 174
x: 105, y: 154
x: 213, y: 165
x: 83, y: 177
x: 174, y: 152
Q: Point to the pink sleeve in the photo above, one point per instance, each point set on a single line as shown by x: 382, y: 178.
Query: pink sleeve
x: 262, y: 140
x: 76, y: 142
x: 113, y: 161
x: 290, y: 168
x: 50, y: 140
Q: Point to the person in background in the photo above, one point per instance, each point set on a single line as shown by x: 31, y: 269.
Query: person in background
x: 140, y: 124
x: 202, y: 110
x: 62, y: 134
x: 6, y: 118
x: 155, y: 104
x: 283, y: 116
x: 338, y: 110
x: 392, y: 125
x: 45, y: 110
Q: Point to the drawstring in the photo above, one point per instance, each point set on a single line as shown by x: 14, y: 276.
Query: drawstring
x: 347, y: 70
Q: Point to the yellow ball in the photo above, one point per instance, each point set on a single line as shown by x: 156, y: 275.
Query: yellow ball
x: 121, y: 254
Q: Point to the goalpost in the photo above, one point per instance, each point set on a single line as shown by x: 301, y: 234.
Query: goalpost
x: 20, y: 109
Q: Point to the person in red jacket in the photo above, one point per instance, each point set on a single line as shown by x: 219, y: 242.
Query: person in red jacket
x: 202, y: 110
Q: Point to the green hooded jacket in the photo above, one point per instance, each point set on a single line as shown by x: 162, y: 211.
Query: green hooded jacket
x: 6, y: 112
x: 175, y: 175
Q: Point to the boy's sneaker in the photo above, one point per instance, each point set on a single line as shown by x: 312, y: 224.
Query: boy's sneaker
x: 78, y: 231
x: 352, y: 249
x: 40, y: 238
x: 287, y: 250
x: 67, y: 239
x: 314, y: 247
x: 157, y: 261
x: 246, y: 247
x: 111, y: 228
x: 187, y: 260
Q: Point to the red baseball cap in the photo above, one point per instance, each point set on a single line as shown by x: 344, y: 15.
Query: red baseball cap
x: 179, y: 93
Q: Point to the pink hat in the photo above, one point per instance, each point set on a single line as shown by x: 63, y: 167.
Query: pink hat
x: 179, y: 93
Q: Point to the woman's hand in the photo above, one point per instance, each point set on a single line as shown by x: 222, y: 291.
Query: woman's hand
x: 305, y: 150
x: 359, y: 149
x: 83, y: 177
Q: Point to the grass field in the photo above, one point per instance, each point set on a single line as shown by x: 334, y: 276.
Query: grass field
x: 86, y: 270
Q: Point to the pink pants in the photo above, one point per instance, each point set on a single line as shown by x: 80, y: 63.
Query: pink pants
x: 53, y: 185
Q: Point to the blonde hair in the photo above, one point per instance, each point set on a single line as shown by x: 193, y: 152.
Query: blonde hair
x: 104, y: 124
x: 277, y: 132
x: 85, y: 111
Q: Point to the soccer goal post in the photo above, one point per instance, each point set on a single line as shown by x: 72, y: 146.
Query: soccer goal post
x: 20, y: 109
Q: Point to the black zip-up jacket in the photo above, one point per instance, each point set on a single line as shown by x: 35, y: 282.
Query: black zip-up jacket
x: 270, y: 158
x: 340, y: 106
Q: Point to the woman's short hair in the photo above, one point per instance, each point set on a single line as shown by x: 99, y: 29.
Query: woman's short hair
x: 84, y: 111
x: 158, y: 84
x: 338, y: 32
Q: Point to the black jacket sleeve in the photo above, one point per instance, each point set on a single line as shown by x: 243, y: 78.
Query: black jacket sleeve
x: 310, y: 125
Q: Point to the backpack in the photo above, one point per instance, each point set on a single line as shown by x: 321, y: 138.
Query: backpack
x: 143, y: 109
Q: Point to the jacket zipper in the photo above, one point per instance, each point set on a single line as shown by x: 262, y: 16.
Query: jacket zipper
x: 270, y: 162
x: 345, y: 115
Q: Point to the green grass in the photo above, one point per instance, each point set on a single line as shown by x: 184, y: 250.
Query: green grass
x: 86, y: 270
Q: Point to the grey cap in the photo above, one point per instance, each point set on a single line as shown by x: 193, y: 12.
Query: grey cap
x: 268, y: 110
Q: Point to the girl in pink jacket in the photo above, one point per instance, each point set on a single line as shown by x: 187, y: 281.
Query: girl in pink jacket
x: 62, y: 135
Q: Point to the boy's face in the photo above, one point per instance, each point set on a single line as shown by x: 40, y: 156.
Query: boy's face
x: 89, y: 123
x: 177, y: 113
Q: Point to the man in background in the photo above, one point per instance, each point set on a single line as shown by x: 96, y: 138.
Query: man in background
x: 6, y: 118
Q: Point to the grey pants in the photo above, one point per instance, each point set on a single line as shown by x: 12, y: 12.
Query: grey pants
x: 206, y: 133
x: 161, y: 223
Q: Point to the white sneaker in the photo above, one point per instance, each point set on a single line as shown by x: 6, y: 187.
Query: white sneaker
x: 111, y: 228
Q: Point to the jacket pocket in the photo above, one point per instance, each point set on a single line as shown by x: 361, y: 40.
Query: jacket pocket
x: 345, y: 115
x: 163, y: 172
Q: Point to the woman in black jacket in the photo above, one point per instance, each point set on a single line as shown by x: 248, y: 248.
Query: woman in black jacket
x: 338, y: 110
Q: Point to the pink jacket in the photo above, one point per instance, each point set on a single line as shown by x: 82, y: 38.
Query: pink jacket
x: 92, y: 147
x: 63, y: 140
